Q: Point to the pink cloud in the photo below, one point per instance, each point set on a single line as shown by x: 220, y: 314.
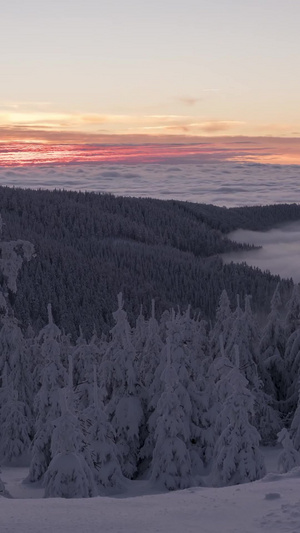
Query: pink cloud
x: 107, y: 148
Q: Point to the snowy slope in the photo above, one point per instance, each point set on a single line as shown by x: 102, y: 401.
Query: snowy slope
x: 271, y: 505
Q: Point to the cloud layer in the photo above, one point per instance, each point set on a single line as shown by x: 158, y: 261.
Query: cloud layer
x: 225, y: 184
x: 280, y: 252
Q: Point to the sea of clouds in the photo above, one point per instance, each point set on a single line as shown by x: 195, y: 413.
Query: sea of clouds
x: 223, y: 184
x: 217, y: 183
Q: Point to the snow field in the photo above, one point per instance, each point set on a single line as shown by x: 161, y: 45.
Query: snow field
x: 271, y: 505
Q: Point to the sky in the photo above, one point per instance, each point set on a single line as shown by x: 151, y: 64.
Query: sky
x: 119, y: 81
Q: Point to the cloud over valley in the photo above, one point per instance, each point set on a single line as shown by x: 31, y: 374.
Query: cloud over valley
x: 279, y: 252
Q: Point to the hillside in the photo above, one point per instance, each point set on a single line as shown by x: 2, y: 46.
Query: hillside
x: 89, y: 247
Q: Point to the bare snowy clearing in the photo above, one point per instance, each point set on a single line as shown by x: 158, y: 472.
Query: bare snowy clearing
x: 270, y: 505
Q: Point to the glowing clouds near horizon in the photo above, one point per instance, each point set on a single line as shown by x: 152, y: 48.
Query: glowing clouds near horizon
x: 23, y: 154
x: 152, y: 149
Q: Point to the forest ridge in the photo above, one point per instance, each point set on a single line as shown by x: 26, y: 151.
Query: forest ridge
x: 89, y: 247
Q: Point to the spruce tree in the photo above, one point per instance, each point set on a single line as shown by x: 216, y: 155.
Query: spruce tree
x: 272, y: 351
x: 222, y: 326
x: 171, y: 463
x: 237, y: 458
x: 100, y: 437
x: 47, y: 403
x: 68, y: 474
x: 289, y: 457
x: 121, y: 392
x: 15, y: 427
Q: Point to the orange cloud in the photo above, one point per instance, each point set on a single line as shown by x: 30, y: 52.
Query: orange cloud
x: 40, y: 123
x: 215, y: 126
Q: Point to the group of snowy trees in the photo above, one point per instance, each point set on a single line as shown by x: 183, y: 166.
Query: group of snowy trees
x: 173, y: 399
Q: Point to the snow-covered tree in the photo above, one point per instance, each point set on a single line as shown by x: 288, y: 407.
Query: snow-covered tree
x: 289, y: 457
x: 219, y: 388
x: 139, y: 334
x: 272, y: 349
x: 15, y: 427
x: 85, y: 357
x: 222, y: 326
x: 47, y: 405
x: 237, y: 458
x: 151, y: 351
x: 171, y: 464
x: 15, y: 353
x: 12, y: 255
x: 100, y: 437
x: 121, y: 392
x: 295, y: 425
x: 3, y: 492
x: 245, y: 335
x: 68, y: 474
x: 292, y: 365
x: 189, y: 363
x: 292, y: 317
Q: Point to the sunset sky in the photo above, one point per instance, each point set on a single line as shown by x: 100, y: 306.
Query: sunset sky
x: 128, y: 80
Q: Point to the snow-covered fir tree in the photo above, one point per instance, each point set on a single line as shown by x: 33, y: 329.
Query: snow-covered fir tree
x: 12, y: 256
x: 15, y: 428
x: 289, y: 457
x: 245, y: 335
x: 188, y: 363
x: 3, y: 491
x: 47, y: 405
x: 15, y: 355
x: 139, y: 334
x: 218, y: 388
x: 85, y: 357
x: 68, y: 474
x: 171, y: 465
x: 121, y: 392
x: 222, y: 326
x: 100, y: 437
x: 292, y: 365
x: 292, y: 317
x: 237, y: 457
x: 150, y: 354
x: 272, y: 350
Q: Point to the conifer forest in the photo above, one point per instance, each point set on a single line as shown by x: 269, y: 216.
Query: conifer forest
x: 129, y: 350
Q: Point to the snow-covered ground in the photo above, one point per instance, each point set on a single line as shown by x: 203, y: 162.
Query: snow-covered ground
x: 271, y: 505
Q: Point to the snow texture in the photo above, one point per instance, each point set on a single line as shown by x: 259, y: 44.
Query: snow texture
x: 270, y: 505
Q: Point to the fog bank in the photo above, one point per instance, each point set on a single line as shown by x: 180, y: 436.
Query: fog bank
x: 280, y: 252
